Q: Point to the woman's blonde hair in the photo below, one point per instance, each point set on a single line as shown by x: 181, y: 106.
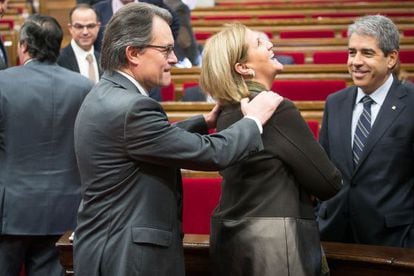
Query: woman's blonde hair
x: 218, y: 75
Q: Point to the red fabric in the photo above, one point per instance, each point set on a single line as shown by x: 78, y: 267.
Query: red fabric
x: 227, y: 17
x: 314, y: 127
x: 281, y: 16
x: 407, y: 56
x: 202, y: 35
x: 9, y: 22
x: 335, y: 15
x: 307, y: 34
x: 332, y: 57
x: 189, y: 84
x: 409, y: 32
x: 298, y: 57
x: 201, y: 196
x: 307, y: 90
x: 168, y: 93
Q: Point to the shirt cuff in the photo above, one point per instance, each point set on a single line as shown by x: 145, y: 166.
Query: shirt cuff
x: 258, y: 123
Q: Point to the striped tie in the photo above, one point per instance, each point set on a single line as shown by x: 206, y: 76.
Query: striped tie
x: 362, y: 130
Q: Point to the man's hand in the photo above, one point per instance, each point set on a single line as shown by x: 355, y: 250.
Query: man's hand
x: 211, y: 117
x: 262, y: 106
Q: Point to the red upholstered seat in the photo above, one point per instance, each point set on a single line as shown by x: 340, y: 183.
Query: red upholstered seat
x: 281, y: 16
x: 314, y: 127
x: 8, y: 22
x: 202, y: 35
x: 307, y: 90
x: 335, y: 15
x: 189, y: 84
x: 307, y: 34
x: 168, y: 93
x: 201, y: 196
x: 331, y: 57
x: 408, y: 32
x: 227, y: 17
x: 407, y: 56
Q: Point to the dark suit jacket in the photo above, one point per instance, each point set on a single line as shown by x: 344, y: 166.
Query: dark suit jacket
x: 3, y: 62
x: 39, y: 178
x: 129, y: 221
x: 68, y: 60
x: 194, y: 94
x: 105, y: 12
x: 377, y: 199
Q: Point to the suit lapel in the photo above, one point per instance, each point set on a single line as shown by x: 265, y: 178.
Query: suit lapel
x: 72, y: 59
x: 391, y: 108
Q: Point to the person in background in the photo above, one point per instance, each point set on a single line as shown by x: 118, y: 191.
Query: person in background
x: 129, y: 155
x: 39, y: 177
x: 264, y: 223
x: 106, y: 8
x: 368, y: 133
x: 186, y: 48
x: 79, y: 55
x: 3, y: 53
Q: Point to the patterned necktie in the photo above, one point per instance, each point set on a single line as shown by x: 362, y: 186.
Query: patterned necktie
x: 362, y: 130
x: 91, y: 69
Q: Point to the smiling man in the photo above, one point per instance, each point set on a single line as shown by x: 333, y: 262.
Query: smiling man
x: 368, y: 132
x: 129, y: 155
x: 79, y: 55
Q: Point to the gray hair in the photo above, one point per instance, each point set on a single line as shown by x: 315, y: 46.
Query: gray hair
x: 381, y: 28
x: 129, y: 26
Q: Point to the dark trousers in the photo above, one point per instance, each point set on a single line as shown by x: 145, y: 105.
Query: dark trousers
x: 37, y: 253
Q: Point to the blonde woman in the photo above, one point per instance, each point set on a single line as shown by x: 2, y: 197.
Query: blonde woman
x: 264, y: 223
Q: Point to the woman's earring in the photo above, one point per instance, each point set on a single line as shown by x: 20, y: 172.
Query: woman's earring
x: 252, y: 73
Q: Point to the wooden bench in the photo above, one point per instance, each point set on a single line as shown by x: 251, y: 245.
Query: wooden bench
x: 177, y: 111
x: 343, y: 259
x: 290, y: 72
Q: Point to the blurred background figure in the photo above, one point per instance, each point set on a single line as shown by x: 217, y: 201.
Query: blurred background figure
x: 79, y: 55
x: 187, y: 49
x: 106, y: 8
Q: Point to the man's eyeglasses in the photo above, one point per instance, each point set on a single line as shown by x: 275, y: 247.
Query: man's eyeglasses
x: 80, y: 27
x: 166, y: 50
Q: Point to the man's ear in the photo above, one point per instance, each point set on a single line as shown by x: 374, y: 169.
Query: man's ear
x: 133, y: 54
x: 392, y: 59
x: 22, y: 45
x: 242, y: 69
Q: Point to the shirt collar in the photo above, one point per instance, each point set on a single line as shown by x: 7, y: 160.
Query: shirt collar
x: 134, y: 81
x: 79, y: 51
x: 378, y: 96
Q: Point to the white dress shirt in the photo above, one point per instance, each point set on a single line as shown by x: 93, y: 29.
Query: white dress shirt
x: 83, y: 64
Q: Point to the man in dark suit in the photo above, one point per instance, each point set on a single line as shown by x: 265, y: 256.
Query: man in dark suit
x: 39, y: 179
x: 83, y: 27
x: 129, y: 156
x: 371, y: 141
x: 106, y: 8
x: 3, y: 53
